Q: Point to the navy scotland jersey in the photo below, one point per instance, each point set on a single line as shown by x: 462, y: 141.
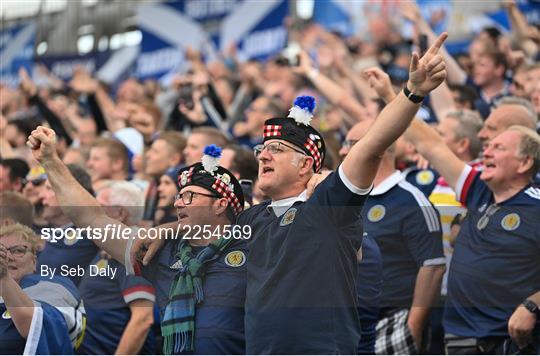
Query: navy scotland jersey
x: 58, y: 320
x: 69, y: 252
x: 301, y: 291
x: 495, y: 265
x: 107, y: 301
x: 423, y: 179
x: 219, y: 319
x: 406, y: 227
x: 369, y: 288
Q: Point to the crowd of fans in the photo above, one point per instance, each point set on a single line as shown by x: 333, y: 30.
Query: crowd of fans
x: 451, y: 237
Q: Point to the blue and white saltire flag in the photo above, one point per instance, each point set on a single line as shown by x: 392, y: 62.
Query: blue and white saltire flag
x: 119, y: 65
x: 342, y: 16
x: 166, y: 31
x: 16, y: 50
x: 352, y: 17
x: 256, y: 27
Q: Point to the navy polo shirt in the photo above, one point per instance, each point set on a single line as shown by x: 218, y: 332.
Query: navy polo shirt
x: 406, y: 227
x: 106, y: 301
x: 219, y: 319
x: 369, y: 288
x: 69, y: 251
x: 301, y: 291
x: 483, y: 104
x: 423, y: 179
x: 496, y: 263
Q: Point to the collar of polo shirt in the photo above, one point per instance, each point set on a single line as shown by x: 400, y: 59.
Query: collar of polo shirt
x: 279, y: 207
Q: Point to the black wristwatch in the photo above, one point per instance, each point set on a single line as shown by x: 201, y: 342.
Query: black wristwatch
x: 532, y: 307
x: 411, y: 96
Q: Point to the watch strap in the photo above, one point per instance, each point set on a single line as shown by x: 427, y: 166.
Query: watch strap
x: 411, y: 96
x: 531, y: 306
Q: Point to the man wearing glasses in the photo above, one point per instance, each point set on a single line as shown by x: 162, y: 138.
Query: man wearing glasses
x: 301, y: 290
x: 199, y: 279
x: 34, y: 185
x: 494, y: 278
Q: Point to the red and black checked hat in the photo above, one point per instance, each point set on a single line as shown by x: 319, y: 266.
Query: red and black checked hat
x: 296, y: 130
x: 209, y: 175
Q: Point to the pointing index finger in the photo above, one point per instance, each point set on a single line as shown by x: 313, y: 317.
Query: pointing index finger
x: 438, y: 43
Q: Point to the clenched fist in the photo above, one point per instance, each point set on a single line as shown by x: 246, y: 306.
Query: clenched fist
x: 42, y: 142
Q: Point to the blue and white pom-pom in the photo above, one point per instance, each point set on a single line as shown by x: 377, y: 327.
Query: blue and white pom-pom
x: 302, y: 111
x: 210, y: 159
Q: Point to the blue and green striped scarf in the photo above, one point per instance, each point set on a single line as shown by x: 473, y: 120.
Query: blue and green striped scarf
x: 178, y: 325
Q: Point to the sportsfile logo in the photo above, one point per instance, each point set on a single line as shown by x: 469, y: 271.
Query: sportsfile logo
x: 70, y: 235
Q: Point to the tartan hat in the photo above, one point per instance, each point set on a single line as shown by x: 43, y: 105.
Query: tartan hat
x: 296, y: 129
x: 209, y: 175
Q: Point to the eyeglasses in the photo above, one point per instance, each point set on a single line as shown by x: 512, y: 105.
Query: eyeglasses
x: 484, y: 220
x: 187, y: 196
x: 349, y: 143
x: 35, y: 182
x: 18, y: 250
x: 273, y: 148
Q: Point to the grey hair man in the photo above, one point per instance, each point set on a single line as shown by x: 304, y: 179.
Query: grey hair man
x: 123, y: 200
x: 459, y: 130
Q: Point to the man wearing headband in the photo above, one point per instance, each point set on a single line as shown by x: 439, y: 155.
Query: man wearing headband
x: 200, y: 279
x: 301, y: 296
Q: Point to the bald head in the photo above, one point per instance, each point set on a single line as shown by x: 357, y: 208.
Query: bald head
x: 503, y: 117
x: 354, y: 135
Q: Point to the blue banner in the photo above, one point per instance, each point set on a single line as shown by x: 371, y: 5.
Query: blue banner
x: 108, y: 66
x: 16, y: 50
x: 256, y: 27
x: 352, y: 17
x: 63, y: 66
x: 337, y: 15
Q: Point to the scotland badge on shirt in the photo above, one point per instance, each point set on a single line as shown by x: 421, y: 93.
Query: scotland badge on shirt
x: 288, y: 217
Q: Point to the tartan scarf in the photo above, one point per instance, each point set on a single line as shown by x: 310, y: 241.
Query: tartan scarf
x: 178, y: 326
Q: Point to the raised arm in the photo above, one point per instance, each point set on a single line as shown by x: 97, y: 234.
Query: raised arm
x: 17, y: 302
x: 381, y: 83
x: 520, y: 28
x: 76, y: 203
x: 410, y: 11
x: 31, y: 90
x: 331, y: 90
x: 431, y: 146
x: 425, y: 74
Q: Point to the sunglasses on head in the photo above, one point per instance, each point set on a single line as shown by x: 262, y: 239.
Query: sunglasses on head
x: 36, y: 182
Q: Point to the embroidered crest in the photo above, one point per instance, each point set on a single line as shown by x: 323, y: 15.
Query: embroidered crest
x: 235, y: 259
x: 226, y: 178
x: 288, y: 217
x: 425, y: 177
x: 102, y: 264
x: 376, y: 213
x: 510, y: 222
x: 184, y: 178
x: 6, y: 315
